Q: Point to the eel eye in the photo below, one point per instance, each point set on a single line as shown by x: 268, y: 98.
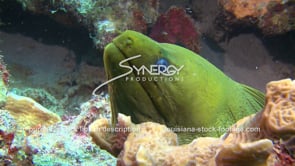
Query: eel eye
x: 163, y: 62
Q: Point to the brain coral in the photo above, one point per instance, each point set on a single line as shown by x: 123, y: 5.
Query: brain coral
x: 278, y: 118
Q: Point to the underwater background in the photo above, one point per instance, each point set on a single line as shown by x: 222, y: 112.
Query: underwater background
x: 52, y: 59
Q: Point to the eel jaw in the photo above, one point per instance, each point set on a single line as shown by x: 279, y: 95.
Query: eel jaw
x: 137, y: 103
x: 131, y: 44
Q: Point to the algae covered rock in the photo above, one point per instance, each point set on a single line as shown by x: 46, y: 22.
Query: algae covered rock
x: 4, y: 80
x: 104, y: 18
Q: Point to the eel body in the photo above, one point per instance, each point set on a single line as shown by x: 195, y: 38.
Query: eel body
x: 172, y: 85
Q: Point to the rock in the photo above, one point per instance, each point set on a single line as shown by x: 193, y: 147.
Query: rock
x: 104, y: 18
x: 169, y: 29
x: 272, y: 17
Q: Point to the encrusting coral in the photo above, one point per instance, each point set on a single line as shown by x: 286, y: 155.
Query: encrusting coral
x: 271, y: 16
x: 28, y: 113
x: 264, y: 138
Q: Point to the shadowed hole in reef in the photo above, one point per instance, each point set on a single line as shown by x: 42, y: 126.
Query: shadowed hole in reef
x: 211, y: 51
x: 282, y: 47
x: 44, y: 29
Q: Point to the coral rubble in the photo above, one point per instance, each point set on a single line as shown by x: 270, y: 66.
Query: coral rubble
x: 271, y: 16
x: 169, y: 28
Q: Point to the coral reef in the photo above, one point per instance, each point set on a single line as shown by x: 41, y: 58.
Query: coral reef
x: 85, y: 76
x: 100, y: 137
x: 108, y: 138
x: 10, y: 140
x: 10, y: 153
x: 67, y: 143
x: 264, y: 138
x: 76, y: 86
x: 4, y: 75
x: 205, y: 12
x: 278, y: 118
x: 148, y: 148
x: 28, y: 113
x: 275, y: 122
x: 151, y: 143
x: 271, y: 16
x: 104, y: 19
x: 169, y: 29
x: 4, y: 72
x: 64, y: 143
x: 253, y: 153
x: 42, y: 97
x: 282, y: 153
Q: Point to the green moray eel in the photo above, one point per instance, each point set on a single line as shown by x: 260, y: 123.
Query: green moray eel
x: 197, y: 94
